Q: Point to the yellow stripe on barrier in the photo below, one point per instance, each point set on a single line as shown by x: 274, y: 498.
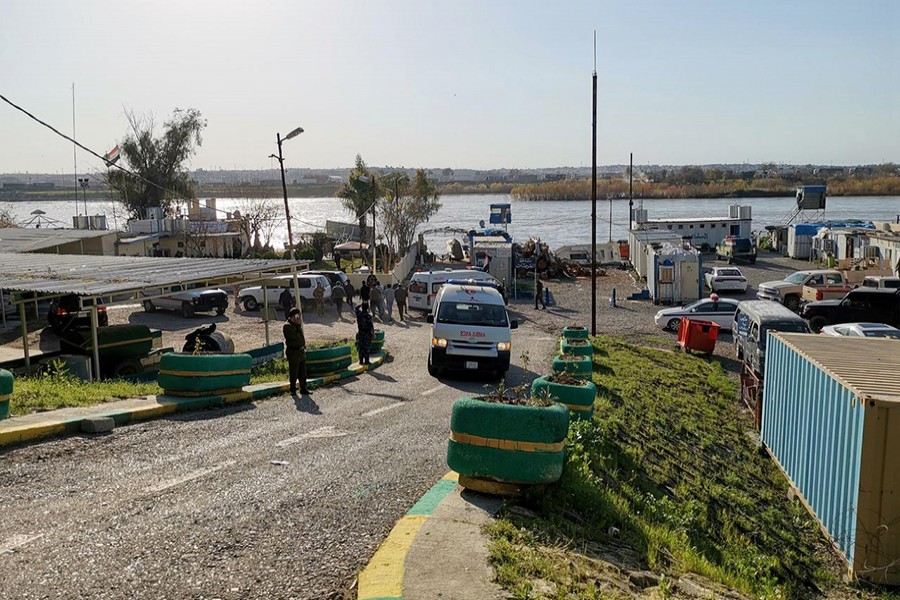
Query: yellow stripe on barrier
x: 5, y: 397
x: 123, y: 343
x: 475, y: 440
x: 580, y: 407
x: 327, y: 360
x: 203, y: 373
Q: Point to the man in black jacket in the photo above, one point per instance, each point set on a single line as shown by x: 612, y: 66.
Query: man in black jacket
x: 295, y: 350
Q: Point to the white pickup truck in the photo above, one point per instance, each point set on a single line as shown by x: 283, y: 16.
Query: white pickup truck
x: 188, y: 302
x: 789, y: 291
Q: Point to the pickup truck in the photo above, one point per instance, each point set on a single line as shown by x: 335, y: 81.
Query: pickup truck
x: 189, y: 302
x: 815, y: 294
x: 789, y: 291
x: 862, y: 304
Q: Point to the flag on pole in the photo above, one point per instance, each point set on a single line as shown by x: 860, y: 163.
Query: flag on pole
x: 112, y: 156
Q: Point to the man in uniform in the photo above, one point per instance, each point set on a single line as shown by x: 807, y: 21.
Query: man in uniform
x: 295, y: 350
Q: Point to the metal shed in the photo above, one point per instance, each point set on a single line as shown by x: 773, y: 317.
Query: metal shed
x: 109, y: 280
x: 831, y: 420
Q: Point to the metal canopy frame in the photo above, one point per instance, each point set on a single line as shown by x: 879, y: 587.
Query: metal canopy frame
x: 115, y: 280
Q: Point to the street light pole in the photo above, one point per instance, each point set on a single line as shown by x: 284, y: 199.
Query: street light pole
x: 287, y: 208
x: 84, y: 183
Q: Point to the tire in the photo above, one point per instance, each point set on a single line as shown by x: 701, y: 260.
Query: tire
x: 203, y: 374
x: 579, y: 366
x: 433, y: 370
x: 149, y: 306
x: 187, y: 311
x: 250, y: 304
x: 792, y: 302
x: 129, y: 366
x: 817, y: 323
x: 473, y: 421
x: 321, y: 361
x: 575, y: 332
x: 220, y: 311
x: 730, y: 260
x: 578, y: 347
x: 6, y: 389
x: 673, y: 324
x: 578, y: 399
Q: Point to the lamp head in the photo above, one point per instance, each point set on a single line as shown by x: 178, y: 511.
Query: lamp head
x: 292, y: 134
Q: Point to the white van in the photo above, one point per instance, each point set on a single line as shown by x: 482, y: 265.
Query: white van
x: 470, y: 330
x: 424, y: 285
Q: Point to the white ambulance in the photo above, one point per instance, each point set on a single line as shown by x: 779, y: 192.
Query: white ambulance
x: 424, y: 285
x: 470, y: 330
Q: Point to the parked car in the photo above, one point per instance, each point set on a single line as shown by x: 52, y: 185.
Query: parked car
x: 862, y: 330
x: 65, y: 314
x: 789, y: 290
x: 715, y: 309
x: 880, y: 281
x: 753, y: 321
x: 734, y: 249
x: 861, y: 304
x: 252, y: 297
x: 189, y: 301
x: 722, y: 279
x: 334, y: 277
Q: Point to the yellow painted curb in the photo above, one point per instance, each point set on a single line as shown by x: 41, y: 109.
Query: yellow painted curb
x: 148, y: 412
x: 383, y: 576
x: 30, y: 432
x: 236, y: 397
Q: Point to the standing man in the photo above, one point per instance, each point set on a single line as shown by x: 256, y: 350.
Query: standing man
x: 286, y: 300
x: 337, y: 260
x: 348, y: 292
x: 376, y: 299
x: 539, y: 295
x: 389, y: 296
x: 400, y: 296
x: 365, y: 332
x: 235, y: 292
x: 319, y: 297
x: 337, y: 296
x: 295, y: 350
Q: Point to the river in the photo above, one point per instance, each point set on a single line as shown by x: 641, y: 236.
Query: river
x: 557, y: 223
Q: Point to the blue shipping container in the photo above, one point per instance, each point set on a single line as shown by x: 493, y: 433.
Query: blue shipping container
x: 831, y: 420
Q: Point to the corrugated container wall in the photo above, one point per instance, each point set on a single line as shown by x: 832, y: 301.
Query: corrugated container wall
x: 831, y: 420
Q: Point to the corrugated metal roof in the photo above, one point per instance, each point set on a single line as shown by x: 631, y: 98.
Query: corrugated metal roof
x: 870, y: 367
x: 21, y: 239
x: 106, y: 275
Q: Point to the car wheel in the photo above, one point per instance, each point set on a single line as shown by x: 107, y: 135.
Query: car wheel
x: 250, y: 304
x: 149, y: 306
x: 187, y: 311
x: 220, y: 311
x: 432, y: 370
x: 817, y: 323
x: 792, y: 302
x: 130, y: 366
x: 673, y: 324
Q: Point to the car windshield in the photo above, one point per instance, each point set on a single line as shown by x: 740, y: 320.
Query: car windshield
x: 465, y: 313
x: 797, y: 277
x: 882, y: 333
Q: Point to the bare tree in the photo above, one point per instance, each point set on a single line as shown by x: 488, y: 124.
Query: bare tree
x: 259, y: 219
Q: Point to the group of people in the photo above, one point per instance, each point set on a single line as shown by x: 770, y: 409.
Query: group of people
x: 371, y: 294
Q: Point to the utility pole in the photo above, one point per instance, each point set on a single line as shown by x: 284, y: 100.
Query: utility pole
x: 630, y: 188
x: 287, y: 209
x: 594, y: 200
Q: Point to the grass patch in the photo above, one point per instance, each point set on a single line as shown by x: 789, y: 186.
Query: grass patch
x: 664, y: 478
x: 57, y: 388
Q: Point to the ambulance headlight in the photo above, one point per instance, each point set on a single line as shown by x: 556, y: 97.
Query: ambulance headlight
x: 438, y: 342
x: 504, y: 346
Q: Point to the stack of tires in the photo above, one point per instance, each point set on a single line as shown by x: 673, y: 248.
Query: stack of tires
x: 323, y: 361
x: 499, y: 448
x: 203, y: 374
x: 378, y: 342
x: 6, y: 389
x: 570, y: 383
x: 576, y: 354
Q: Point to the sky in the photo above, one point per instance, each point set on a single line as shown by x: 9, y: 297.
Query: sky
x: 463, y: 84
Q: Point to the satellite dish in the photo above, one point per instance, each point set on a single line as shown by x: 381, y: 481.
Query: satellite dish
x: 481, y: 223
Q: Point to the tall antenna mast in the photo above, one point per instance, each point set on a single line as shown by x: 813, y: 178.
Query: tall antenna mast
x: 594, y: 199
x: 74, y: 149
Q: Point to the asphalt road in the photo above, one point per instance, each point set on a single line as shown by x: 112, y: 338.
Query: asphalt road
x: 280, y: 499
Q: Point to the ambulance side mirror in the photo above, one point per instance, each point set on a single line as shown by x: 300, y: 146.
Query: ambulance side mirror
x: 429, y: 318
x: 514, y: 324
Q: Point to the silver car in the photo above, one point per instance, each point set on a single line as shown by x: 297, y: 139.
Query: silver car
x: 718, y: 310
x: 726, y: 279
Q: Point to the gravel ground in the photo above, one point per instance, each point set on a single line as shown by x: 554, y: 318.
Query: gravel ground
x: 285, y: 498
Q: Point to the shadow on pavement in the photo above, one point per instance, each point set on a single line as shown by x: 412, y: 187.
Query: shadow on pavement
x: 306, y: 404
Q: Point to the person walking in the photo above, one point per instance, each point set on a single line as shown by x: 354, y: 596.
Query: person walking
x: 286, y: 300
x: 337, y: 260
x: 319, y: 297
x: 539, y: 295
x: 295, y: 350
x: 365, y: 332
x: 365, y: 292
x: 348, y: 293
x: 376, y: 300
x: 400, y: 297
x: 389, y: 297
x: 337, y: 296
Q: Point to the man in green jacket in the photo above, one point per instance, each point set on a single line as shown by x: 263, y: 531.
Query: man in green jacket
x: 295, y: 350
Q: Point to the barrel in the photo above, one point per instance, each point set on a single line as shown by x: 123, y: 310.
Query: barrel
x: 6, y: 388
x: 576, y: 346
x: 203, y: 374
x: 321, y: 361
x: 577, y: 397
x: 507, y: 443
x: 576, y: 366
x: 575, y: 332
x: 377, y: 342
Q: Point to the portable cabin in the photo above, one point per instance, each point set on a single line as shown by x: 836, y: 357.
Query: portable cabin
x: 831, y: 420
x: 676, y: 275
x: 799, y: 239
x: 495, y: 256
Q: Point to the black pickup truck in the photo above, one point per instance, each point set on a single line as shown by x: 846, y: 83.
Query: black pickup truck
x: 859, y: 305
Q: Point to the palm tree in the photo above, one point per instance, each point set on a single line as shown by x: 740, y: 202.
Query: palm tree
x: 360, y: 194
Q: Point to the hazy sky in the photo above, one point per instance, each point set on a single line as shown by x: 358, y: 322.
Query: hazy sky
x: 481, y: 84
